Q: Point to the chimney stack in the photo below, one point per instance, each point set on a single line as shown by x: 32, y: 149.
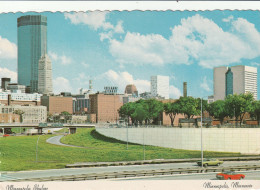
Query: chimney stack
x: 9, y: 100
x: 184, y: 89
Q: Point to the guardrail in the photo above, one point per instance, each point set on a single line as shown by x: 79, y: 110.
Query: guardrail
x: 159, y: 161
x: 126, y: 174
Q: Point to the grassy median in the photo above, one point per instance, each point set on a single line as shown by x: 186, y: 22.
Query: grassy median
x: 19, y: 152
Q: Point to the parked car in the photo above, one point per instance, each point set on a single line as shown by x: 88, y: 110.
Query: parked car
x: 6, y: 135
x: 210, y: 162
x: 230, y: 175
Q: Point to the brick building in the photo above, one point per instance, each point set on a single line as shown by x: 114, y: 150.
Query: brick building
x: 9, y: 118
x: 105, y: 106
x: 57, y: 104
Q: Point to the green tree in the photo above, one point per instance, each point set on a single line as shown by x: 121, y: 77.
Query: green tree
x: 189, y: 106
x: 66, y: 115
x: 49, y: 117
x: 20, y: 113
x: 172, y: 109
x: 255, y: 112
x: 217, y: 110
x: 127, y: 110
x: 153, y: 108
x: 238, y: 105
x: 139, y: 114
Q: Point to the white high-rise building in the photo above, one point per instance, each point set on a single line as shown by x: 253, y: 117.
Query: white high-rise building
x: 45, y: 75
x: 160, y: 86
x: 234, y: 80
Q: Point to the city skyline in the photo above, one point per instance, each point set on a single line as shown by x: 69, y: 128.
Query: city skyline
x: 120, y: 48
x: 32, y: 45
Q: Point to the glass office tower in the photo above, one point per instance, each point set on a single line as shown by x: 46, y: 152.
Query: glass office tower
x: 32, y: 44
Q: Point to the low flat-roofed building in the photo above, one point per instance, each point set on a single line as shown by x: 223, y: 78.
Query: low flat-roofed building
x: 57, y: 104
x: 19, y: 98
x: 105, y: 106
x: 31, y: 114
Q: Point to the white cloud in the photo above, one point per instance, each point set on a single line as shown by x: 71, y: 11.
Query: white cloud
x: 204, y: 85
x: 228, y: 19
x: 119, y: 27
x: 141, y: 49
x: 195, y: 39
x: 175, y: 93
x: 64, y: 60
x: 8, y: 50
x: 61, y: 84
x: 255, y: 64
x: 4, y: 72
x: 121, y: 79
x: 95, y: 20
x: 85, y: 64
x: 53, y: 56
x: 106, y: 35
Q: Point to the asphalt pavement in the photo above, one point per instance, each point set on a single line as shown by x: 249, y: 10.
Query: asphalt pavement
x: 250, y: 175
x: 99, y: 170
x: 56, y: 141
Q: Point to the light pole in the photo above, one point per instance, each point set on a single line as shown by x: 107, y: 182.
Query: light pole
x: 127, y: 136
x: 143, y: 144
x: 201, y: 134
x: 37, y: 147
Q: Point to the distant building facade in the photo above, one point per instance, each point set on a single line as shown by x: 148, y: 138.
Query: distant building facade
x: 131, y: 89
x: 14, y: 87
x: 45, y: 75
x: 130, y: 98
x: 57, y: 104
x: 234, y: 80
x: 146, y: 95
x: 19, y: 98
x: 110, y: 89
x: 210, y: 99
x: 32, y: 44
x: 105, y: 107
x: 81, y: 103
x: 32, y: 114
x: 4, y: 83
x: 9, y: 118
x: 160, y: 86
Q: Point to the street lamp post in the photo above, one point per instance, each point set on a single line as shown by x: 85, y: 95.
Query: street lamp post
x: 201, y: 134
x: 126, y: 136
x: 37, y: 148
x: 143, y: 144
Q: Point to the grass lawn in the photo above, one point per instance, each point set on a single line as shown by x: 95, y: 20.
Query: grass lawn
x: 18, y: 130
x: 19, y: 152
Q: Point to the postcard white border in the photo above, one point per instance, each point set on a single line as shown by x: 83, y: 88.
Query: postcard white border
x: 53, y: 6
x: 62, y: 6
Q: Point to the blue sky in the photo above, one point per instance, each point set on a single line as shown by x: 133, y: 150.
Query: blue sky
x: 120, y: 48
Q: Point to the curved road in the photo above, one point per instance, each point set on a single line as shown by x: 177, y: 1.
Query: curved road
x: 56, y: 140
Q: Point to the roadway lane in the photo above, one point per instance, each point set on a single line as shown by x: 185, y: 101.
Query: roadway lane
x: 99, y: 170
x: 250, y: 175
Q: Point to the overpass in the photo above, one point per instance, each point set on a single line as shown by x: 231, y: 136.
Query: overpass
x: 72, y: 126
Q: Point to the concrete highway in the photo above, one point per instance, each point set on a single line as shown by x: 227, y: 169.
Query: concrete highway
x: 250, y: 175
x: 6, y: 176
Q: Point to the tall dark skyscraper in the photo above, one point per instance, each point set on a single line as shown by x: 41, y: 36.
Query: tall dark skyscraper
x: 32, y: 44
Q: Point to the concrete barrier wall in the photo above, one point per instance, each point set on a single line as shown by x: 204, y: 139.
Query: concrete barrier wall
x: 243, y: 140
